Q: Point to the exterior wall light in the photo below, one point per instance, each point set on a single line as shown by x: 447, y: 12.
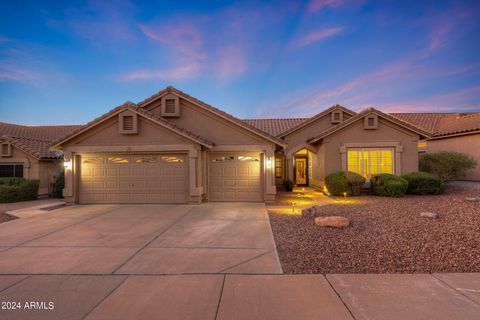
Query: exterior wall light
x: 269, y: 163
x: 67, y: 164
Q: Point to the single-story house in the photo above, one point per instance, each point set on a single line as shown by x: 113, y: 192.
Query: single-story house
x: 25, y: 153
x: 458, y: 132
x: 174, y: 148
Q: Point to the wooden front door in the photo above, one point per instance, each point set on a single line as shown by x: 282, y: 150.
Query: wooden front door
x: 301, y: 171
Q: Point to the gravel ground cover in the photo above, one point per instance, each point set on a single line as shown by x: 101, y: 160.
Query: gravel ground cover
x: 4, y: 217
x: 386, y: 235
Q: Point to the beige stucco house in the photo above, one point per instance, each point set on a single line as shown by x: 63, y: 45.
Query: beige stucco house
x: 174, y: 148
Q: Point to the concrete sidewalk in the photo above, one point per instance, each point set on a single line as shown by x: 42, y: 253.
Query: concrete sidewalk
x: 238, y: 297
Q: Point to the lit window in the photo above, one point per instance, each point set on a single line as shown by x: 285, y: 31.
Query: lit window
x: 247, y: 158
x: 278, y: 167
x: 172, y: 159
x: 223, y: 159
x: 118, y: 160
x: 92, y: 159
x: 146, y: 160
x: 369, y: 162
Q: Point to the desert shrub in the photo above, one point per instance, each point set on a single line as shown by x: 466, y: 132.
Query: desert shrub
x: 18, y: 189
x: 288, y: 185
x: 341, y: 182
x: 423, y: 183
x: 447, y: 166
x: 388, y: 185
x: 59, y: 185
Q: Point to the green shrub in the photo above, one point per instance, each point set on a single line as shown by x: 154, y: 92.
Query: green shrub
x: 288, y: 185
x: 447, y: 165
x: 423, y: 183
x: 18, y: 189
x: 59, y: 185
x: 341, y: 182
x: 388, y: 185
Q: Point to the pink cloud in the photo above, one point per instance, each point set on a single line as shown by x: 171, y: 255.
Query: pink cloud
x: 317, y: 36
x: 317, y: 5
x: 15, y: 73
x: 179, y: 73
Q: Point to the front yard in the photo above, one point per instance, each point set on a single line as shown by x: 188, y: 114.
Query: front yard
x: 386, y: 235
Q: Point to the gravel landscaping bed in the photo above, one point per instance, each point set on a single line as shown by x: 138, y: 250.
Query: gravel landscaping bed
x: 386, y: 235
x: 4, y: 217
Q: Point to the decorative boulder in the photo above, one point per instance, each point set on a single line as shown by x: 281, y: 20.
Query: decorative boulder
x: 332, y: 221
x: 310, y: 212
x: 431, y: 215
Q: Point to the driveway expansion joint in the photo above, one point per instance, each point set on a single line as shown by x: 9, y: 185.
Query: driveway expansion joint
x: 338, y: 295
x: 455, y: 289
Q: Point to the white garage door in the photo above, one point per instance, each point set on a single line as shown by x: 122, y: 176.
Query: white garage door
x: 133, y: 178
x: 235, y: 176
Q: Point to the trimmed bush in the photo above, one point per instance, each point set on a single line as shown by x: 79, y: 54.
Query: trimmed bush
x: 388, y: 185
x: 59, y: 185
x: 422, y: 183
x: 288, y: 185
x: 18, y: 189
x: 341, y: 182
x: 447, y: 166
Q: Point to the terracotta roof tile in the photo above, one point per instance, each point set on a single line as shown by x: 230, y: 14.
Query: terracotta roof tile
x: 443, y: 124
x: 34, y: 140
x: 275, y: 127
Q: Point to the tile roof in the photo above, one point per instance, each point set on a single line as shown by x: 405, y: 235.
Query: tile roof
x: 443, y: 124
x: 34, y: 140
x: 275, y: 127
x: 214, y: 110
x: 134, y: 107
x: 362, y: 114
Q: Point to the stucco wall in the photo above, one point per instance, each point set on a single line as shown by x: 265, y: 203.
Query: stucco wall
x: 311, y: 130
x: 210, y: 126
x: 318, y: 167
x: 35, y: 169
x: 469, y: 144
x: 386, y: 133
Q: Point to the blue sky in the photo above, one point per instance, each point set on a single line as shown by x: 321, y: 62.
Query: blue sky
x: 66, y: 63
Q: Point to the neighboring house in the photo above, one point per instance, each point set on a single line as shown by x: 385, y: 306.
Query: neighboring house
x: 24, y: 153
x: 458, y: 132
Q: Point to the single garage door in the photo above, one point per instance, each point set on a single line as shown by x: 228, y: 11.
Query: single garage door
x: 133, y: 178
x: 235, y: 176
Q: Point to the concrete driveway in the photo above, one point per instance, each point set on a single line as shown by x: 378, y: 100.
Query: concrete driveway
x: 141, y: 239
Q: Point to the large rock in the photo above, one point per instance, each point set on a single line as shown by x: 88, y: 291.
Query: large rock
x: 310, y: 212
x: 332, y: 221
x: 473, y: 199
x: 431, y: 215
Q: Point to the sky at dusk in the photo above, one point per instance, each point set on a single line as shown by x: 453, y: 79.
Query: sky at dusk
x: 67, y: 62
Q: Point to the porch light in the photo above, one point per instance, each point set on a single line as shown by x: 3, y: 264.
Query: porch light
x: 269, y: 163
x: 67, y: 164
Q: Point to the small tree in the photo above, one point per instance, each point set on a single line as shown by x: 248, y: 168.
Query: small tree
x: 447, y: 165
x: 59, y: 185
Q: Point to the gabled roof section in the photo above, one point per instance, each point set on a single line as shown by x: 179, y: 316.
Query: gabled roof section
x: 213, y: 110
x: 38, y: 149
x: 443, y: 124
x: 362, y: 114
x: 275, y: 127
x: 34, y: 140
x: 318, y: 116
x: 139, y: 110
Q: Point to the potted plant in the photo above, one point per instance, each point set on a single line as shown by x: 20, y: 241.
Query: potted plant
x: 288, y: 185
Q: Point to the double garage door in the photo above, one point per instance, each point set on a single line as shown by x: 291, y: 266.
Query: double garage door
x: 235, y: 176
x: 133, y: 178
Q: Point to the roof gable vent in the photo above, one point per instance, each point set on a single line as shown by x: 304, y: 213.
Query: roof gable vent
x: 127, y: 123
x: 370, y: 122
x: 6, y: 150
x: 170, y: 106
x: 336, y: 116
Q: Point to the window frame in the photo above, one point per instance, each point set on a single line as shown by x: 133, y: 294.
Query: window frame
x: 362, y: 162
x: 278, y: 166
x: 14, y: 165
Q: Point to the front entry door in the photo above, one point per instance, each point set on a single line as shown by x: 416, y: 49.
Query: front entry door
x: 301, y: 171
